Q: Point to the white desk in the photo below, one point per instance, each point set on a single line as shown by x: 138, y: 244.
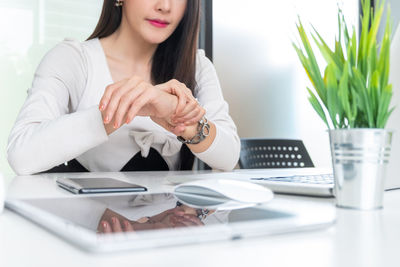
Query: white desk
x: 357, y: 239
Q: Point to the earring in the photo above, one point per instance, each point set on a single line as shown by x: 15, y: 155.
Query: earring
x: 119, y: 3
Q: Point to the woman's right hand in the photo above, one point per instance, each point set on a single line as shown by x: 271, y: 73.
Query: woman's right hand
x: 124, y: 100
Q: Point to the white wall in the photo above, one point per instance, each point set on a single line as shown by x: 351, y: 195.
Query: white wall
x: 393, y: 173
x: 261, y: 76
x: 28, y: 29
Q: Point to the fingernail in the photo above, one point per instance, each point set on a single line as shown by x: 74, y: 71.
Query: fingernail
x: 106, y: 119
x: 127, y: 121
x: 104, y: 225
x: 101, y: 107
x: 116, y: 125
x: 126, y: 224
x: 114, y: 220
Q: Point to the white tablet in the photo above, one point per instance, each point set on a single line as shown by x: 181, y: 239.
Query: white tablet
x: 138, y: 221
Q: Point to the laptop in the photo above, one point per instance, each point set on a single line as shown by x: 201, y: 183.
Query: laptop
x: 153, y: 220
x: 316, y: 182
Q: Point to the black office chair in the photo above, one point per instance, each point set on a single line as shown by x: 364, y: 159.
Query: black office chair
x: 273, y: 153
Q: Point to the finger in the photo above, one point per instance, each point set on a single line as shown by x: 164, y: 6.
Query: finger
x: 190, y: 106
x: 176, y: 89
x: 116, y: 225
x: 166, y: 87
x: 169, y: 86
x: 126, y: 102
x: 178, y: 211
x: 105, y: 227
x: 185, y: 222
x: 108, y: 92
x: 162, y: 215
x: 194, y: 219
x: 181, y: 102
x: 178, y: 130
x: 117, y: 94
x: 191, y: 115
x: 180, y: 90
x: 185, y: 97
x: 140, y: 102
x: 128, y: 226
x: 197, y: 118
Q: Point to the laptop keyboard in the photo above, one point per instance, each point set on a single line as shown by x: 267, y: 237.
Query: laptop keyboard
x: 304, y: 179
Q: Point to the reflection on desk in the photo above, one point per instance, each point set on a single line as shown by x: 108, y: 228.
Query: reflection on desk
x: 357, y: 239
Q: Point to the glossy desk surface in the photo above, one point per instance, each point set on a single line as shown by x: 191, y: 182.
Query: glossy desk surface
x: 359, y: 238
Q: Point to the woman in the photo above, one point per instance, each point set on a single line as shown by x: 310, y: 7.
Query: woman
x: 118, y: 101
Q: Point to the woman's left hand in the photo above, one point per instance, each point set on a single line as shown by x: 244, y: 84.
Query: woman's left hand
x: 188, y: 111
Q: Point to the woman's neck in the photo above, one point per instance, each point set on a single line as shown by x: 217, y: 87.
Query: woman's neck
x: 129, y: 51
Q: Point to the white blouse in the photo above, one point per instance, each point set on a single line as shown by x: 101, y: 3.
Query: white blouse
x: 60, y: 119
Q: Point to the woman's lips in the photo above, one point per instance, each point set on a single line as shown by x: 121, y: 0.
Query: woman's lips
x: 158, y: 23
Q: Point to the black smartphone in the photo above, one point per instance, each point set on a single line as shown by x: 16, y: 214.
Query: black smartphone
x: 97, y: 185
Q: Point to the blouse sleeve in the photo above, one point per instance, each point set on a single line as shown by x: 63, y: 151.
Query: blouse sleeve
x: 47, y: 132
x: 224, y: 152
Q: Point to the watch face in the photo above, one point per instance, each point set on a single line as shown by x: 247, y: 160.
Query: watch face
x: 205, y: 129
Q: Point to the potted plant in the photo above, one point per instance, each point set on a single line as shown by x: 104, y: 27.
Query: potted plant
x: 352, y: 97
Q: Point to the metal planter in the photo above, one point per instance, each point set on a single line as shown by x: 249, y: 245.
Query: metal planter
x: 359, y: 159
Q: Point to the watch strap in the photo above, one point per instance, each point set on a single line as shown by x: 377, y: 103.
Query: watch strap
x: 203, y: 130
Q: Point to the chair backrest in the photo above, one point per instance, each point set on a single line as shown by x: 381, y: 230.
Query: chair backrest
x: 273, y: 153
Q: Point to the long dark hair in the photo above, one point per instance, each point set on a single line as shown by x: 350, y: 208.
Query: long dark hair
x: 175, y: 58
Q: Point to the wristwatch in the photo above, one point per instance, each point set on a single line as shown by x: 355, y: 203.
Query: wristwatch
x: 203, y: 130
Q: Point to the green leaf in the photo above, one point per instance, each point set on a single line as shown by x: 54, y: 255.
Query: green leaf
x: 384, y: 58
x: 359, y: 85
x: 375, y: 92
x: 355, y: 103
x: 331, y: 86
x: 328, y: 54
x: 384, y: 102
x: 385, y: 119
x: 375, y: 22
x: 354, y: 90
x: 343, y: 93
x: 317, y: 106
x: 365, y: 20
x: 313, y: 69
x: 345, y: 29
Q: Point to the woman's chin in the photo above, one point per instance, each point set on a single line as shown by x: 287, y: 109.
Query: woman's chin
x: 156, y: 38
